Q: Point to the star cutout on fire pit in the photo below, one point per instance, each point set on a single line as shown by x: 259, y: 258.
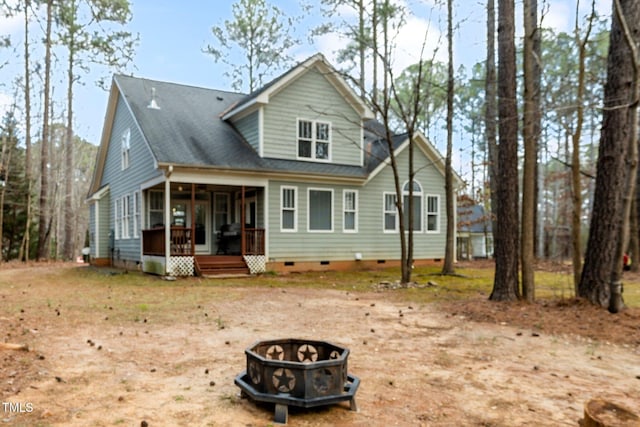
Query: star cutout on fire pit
x: 275, y: 352
x: 283, y: 380
x: 307, y: 353
x: 254, y: 372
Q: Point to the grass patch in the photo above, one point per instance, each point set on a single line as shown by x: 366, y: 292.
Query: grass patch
x: 469, y: 282
x: 82, y: 293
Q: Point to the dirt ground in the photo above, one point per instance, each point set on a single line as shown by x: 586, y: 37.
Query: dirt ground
x: 471, y: 363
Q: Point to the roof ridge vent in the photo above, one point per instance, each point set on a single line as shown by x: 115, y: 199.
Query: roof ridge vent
x: 153, y: 104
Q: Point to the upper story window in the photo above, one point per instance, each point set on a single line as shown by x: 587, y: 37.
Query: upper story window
x: 125, y: 145
x: 314, y: 140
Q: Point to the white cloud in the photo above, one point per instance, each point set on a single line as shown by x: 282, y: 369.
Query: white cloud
x: 5, y: 103
x: 561, y: 14
x: 408, y: 43
x: 12, y: 25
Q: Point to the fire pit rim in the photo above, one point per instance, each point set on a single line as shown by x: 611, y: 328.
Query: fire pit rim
x: 343, y: 353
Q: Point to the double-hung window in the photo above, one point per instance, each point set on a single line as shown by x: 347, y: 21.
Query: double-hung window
x: 433, y: 214
x: 350, y: 206
x: 288, y: 209
x: 126, y: 216
x: 125, y: 146
x: 314, y: 140
x: 390, y: 212
x: 118, y: 218
x: 136, y: 214
x: 417, y: 206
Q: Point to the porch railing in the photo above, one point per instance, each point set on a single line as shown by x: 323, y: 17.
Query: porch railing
x: 153, y: 241
x: 254, y: 241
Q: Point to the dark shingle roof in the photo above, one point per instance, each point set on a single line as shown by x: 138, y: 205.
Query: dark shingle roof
x: 187, y: 130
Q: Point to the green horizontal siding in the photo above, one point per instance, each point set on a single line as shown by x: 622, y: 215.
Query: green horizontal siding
x: 311, y: 97
x: 249, y: 128
x: 370, y: 240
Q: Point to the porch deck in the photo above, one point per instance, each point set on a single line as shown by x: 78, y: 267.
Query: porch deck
x: 181, y: 245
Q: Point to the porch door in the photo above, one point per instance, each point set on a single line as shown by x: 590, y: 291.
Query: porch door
x: 181, y: 216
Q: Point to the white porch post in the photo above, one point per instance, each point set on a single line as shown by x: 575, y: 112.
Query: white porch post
x: 167, y: 223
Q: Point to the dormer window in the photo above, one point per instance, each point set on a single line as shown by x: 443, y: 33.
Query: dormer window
x: 314, y: 140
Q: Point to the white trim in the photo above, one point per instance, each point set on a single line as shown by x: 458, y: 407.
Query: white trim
x: 98, y: 195
x: 437, y: 161
x: 225, y: 178
x: 167, y: 219
x: 261, y: 132
x: 152, y: 182
x: 326, y: 190
x: 266, y: 217
x: 295, y: 209
x: 361, y: 144
x: 355, y: 211
x: 96, y: 224
x: 326, y: 69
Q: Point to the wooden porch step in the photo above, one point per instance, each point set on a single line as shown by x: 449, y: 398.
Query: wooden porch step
x: 218, y: 265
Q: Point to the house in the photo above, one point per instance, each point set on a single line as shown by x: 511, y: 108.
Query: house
x: 291, y: 177
x: 475, y: 233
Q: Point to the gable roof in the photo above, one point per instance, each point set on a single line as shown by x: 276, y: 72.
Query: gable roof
x: 189, y: 129
x: 186, y: 130
x: 262, y: 95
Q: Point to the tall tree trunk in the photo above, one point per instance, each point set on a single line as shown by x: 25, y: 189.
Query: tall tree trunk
x: 4, y: 170
x: 447, y: 268
x: 505, y: 285
x: 374, y: 35
x: 576, y: 185
x: 603, y: 258
x: 631, y: 33
x: 362, y: 48
x: 43, y: 216
x: 26, y: 238
x: 530, y: 136
x: 69, y: 217
x: 490, y: 111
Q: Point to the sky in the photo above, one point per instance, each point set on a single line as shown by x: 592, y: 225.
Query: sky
x: 173, y: 35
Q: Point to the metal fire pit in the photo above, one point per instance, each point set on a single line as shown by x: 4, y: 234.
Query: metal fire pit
x: 297, y: 372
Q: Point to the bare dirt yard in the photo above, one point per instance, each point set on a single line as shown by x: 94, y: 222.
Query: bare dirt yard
x: 134, y: 350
